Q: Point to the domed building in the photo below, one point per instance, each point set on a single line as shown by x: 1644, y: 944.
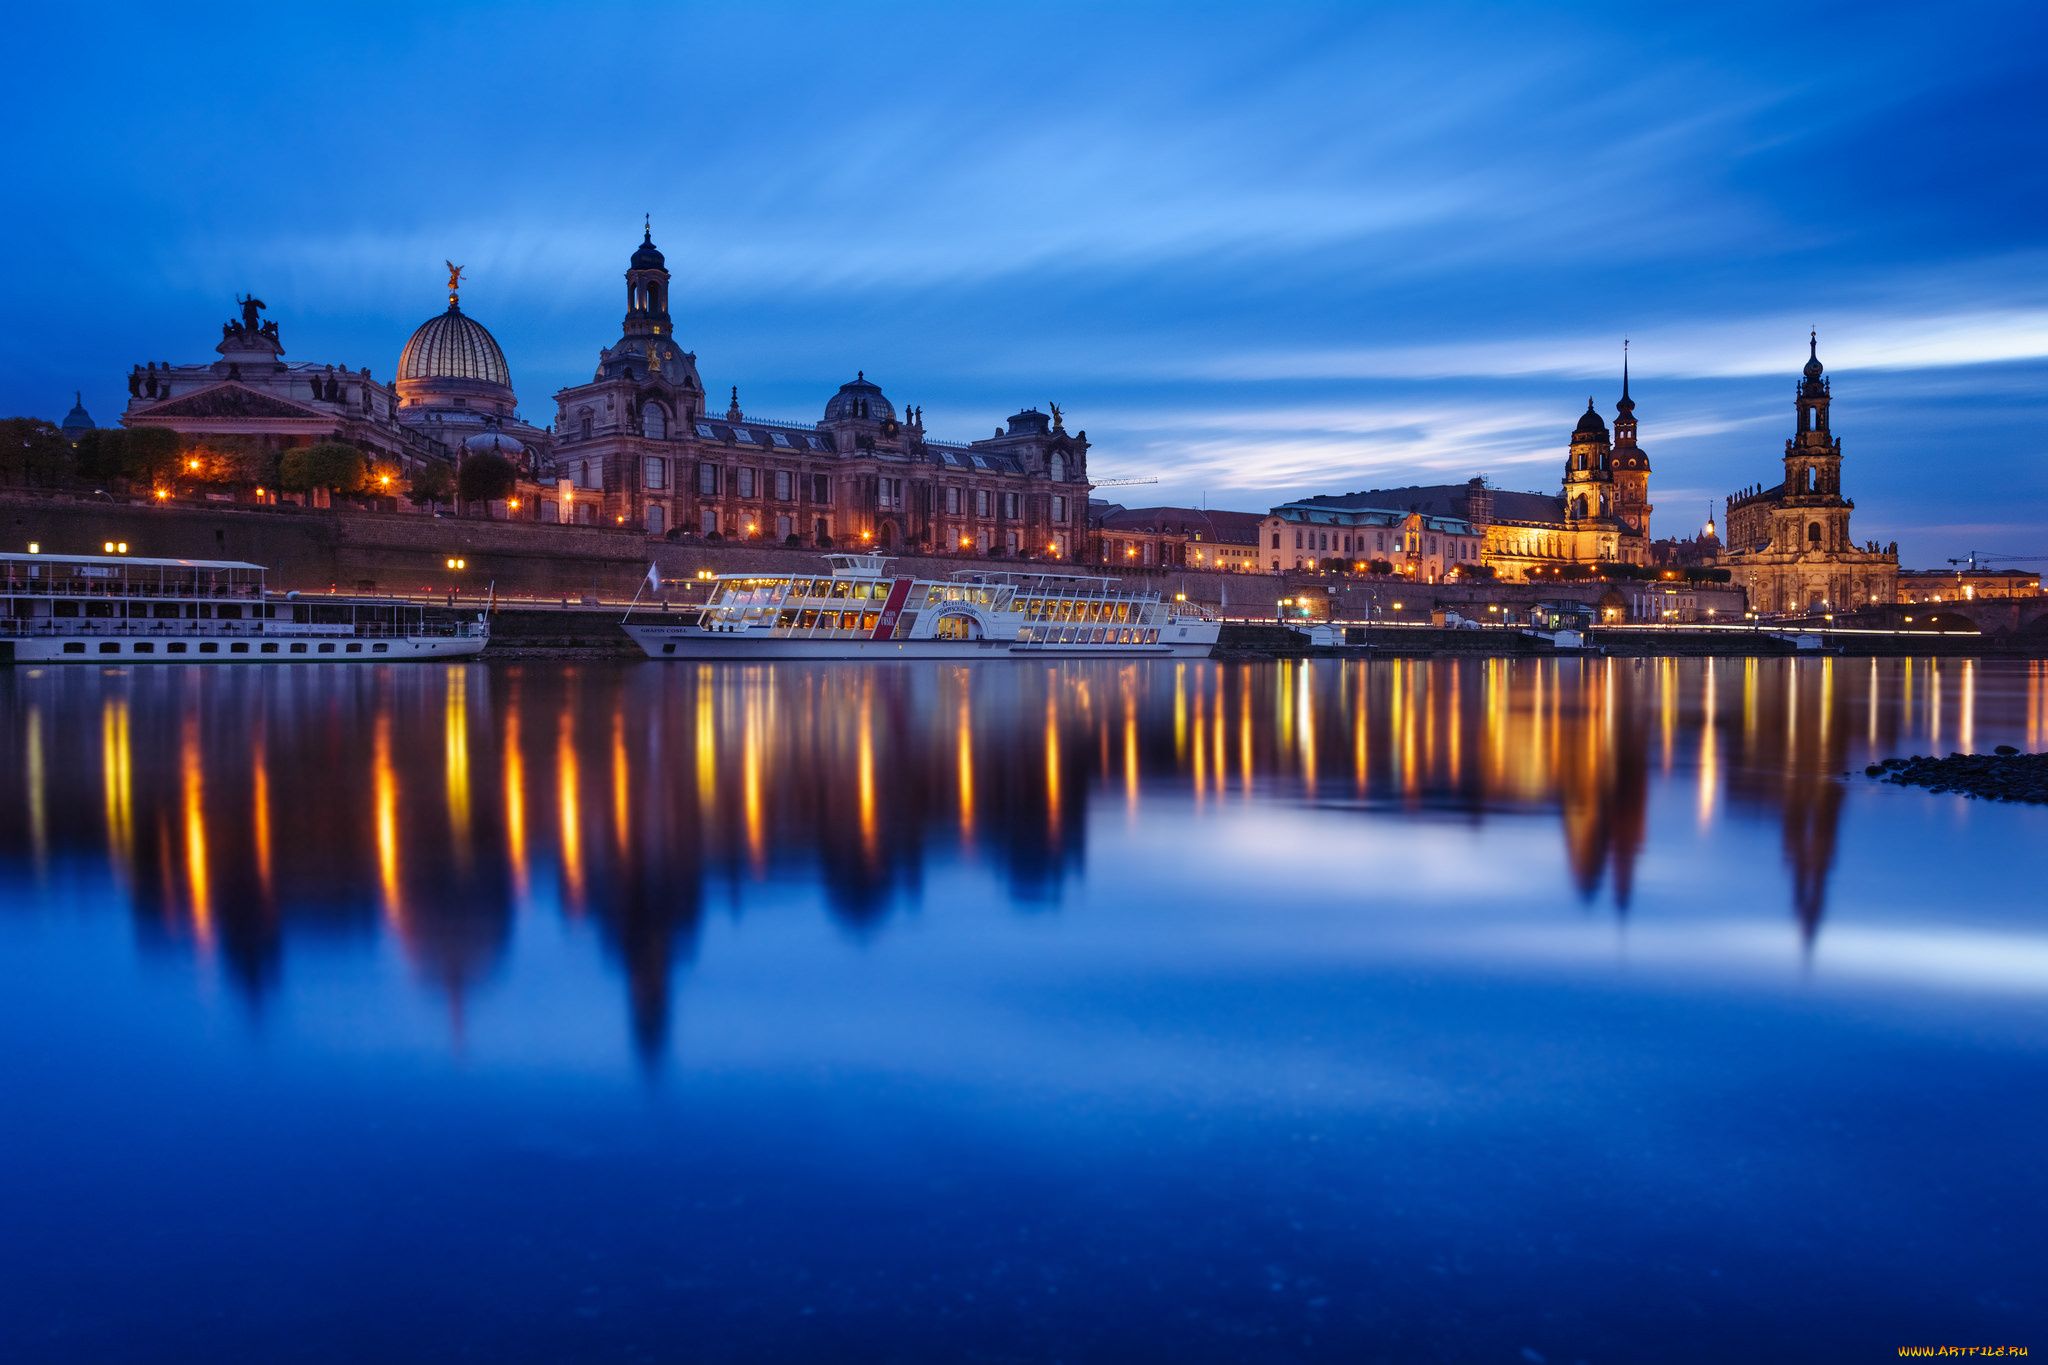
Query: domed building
x: 454, y: 387
x: 78, y: 421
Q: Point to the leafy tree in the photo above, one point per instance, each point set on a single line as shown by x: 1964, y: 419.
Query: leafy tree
x: 486, y: 476
x: 150, y: 455
x: 793, y: 541
x: 33, y: 451
x: 432, y: 482
x: 332, y: 465
x: 1379, y: 566
x: 1475, y: 571
x: 244, y: 461
x: 1575, y: 573
x: 101, y: 454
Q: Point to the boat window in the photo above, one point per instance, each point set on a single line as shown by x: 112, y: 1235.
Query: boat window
x: 808, y: 620
x: 374, y: 649
x: 787, y: 619
x: 175, y: 647
x: 64, y: 608
x: 828, y: 620
x: 355, y: 649
x: 870, y: 620
x: 242, y: 649
x: 839, y: 587
x: 800, y: 588
x: 74, y: 648
x: 209, y: 647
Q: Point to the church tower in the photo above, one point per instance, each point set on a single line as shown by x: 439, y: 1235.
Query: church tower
x: 1631, y: 478
x: 1588, y: 475
x: 1789, y: 546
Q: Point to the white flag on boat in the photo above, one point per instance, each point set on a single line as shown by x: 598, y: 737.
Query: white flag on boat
x: 654, y: 578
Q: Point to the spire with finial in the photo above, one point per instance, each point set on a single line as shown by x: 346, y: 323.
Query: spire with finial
x: 733, y: 413
x: 1627, y: 405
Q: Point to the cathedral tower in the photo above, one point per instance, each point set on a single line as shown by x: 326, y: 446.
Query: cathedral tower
x: 1789, y: 545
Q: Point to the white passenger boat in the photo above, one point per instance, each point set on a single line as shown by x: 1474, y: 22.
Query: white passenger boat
x: 863, y: 611
x: 78, y: 609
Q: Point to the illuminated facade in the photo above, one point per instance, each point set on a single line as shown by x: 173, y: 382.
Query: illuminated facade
x: 1176, y: 537
x: 1600, y: 515
x: 640, y: 446
x: 251, y: 398
x: 1789, y: 546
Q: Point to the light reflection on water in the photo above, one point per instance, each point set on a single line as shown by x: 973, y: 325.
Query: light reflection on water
x: 224, y: 805
x: 1214, y: 901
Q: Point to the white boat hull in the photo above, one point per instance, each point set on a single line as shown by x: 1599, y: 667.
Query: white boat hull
x: 1189, y: 640
x: 119, y: 649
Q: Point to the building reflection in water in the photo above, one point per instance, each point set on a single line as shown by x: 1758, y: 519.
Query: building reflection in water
x: 235, y: 808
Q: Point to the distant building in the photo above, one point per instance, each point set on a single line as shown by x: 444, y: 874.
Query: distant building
x: 1947, y: 585
x: 1789, y: 545
x: 1180, y: 537
x: 1325, y: 532
x: 78, y: 421
x: 1600, y: 514
x: 639, y: 446
x: 252, y: 392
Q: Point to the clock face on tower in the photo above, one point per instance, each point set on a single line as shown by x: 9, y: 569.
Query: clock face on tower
x: 889, y: 427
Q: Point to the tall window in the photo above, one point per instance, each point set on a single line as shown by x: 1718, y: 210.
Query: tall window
x: 1059, y: 505
x: 707, y: 480
x: 1010, y: 508
x: 982, y: 500
x: 783, y: 482
x: 657, y: 521
x: 953, y: 501
x: 746, y: 483
x: 657, y: 472
x: 821, y: 489
x: 653, y: 421
x: 1059, y: 467
x: 586, y: 426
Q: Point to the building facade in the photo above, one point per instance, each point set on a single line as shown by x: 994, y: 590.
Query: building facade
x: 1600, y: 514
x: 1329, y: 532
x: 254, y: 397
x: 639, y: 446
x: 1175, y: 537
x: 1972, y: 585
x: 452, y: 396
x: 1789, y: 546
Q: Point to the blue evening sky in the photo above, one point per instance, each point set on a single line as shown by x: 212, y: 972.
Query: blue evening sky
x: 1256, y: 251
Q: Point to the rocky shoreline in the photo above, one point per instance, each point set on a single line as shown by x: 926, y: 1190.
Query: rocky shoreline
x: 2005, y: 774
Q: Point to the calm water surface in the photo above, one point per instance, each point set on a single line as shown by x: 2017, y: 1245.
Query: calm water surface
x: 1478, y: 1011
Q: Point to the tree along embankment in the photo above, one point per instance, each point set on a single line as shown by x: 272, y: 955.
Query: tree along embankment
x: 2005, y: 774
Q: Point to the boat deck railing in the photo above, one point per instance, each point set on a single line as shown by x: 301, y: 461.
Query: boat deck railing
x: 14, y: 628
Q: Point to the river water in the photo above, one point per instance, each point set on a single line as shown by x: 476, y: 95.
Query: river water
x: 1466, y: 1011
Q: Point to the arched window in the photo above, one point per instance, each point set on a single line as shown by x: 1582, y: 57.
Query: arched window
x: 654, y: 422
x: 1813, y: 533
x: 586, y: 426
x: 1059, y: 467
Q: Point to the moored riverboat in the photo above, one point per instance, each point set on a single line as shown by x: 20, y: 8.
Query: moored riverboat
x: 862, y: 610
x: 117, y: 608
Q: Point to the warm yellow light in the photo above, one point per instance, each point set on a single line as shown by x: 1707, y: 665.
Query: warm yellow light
x: 195, y: 464
x: 120, y: 547
x: 259, y: 492
x: 386, y: 480
x: 514, y: 504
x: 110, y: 550
x: 34, y: 548
x: 161, y: 493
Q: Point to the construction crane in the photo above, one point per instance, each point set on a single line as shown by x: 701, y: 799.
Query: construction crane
x: 1119, y: 483
x: 1978, y: 557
